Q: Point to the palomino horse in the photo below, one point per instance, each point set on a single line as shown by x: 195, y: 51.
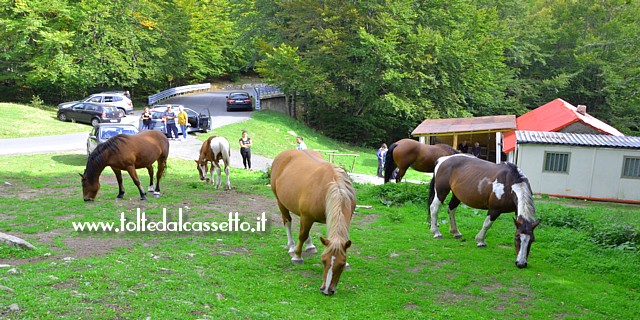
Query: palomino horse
x: 126, y: 152
x: 480, y: 184
x: 317, y: 191
x: 213, y: 150
x: 410, y: 153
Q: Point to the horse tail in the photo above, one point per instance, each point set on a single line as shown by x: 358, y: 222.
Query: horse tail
x: 432, y: 191
x: 389, y: 164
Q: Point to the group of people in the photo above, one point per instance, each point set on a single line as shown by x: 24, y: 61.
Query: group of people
x: 170, y: 119
x: 476, y: 151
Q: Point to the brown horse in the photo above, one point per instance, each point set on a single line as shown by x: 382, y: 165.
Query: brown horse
x: 126, y: 152
x: 499, y: 188
x: 213, y: 150
x: 317, y: 191
x: 410, y: 153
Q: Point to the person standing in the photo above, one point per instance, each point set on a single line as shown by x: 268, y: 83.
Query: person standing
x: 476, y: 150
x: 463, y: 147
x: 170, y: 123
x: 245, y: 150
x: 146, y: 119
x: 183, y: 121
x: 301, y: 144
x: 382, y: 153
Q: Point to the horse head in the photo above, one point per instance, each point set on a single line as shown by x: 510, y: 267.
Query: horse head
x: 334, y: 260
x: 89, y: 189
x: 523, y: 239
x: 202, y: 169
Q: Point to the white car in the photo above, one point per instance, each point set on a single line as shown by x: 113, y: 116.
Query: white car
x: 113, y: 98
x: 102, y: 132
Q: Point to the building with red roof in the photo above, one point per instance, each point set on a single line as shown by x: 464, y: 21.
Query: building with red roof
x: 558, y: 116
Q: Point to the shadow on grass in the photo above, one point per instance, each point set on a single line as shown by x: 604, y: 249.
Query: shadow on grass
x: 76, y: 160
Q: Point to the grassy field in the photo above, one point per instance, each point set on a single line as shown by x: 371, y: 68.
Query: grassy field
x: 271, y: 132
x: 24, y: 121
x: 398, y: 270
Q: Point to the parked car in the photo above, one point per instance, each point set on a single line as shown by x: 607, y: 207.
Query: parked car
x: 197, y: 121
x: 112, y: 98
x: 103, y: 131
x: 239, y: 101
x: 88, y: 112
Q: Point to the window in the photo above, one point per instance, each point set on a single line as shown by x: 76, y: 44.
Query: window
x: 556, y: 162
x: 631, y: 167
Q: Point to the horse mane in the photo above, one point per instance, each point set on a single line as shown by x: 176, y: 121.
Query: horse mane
x: 340, y: 196
x: 97, y: 158
x: 524, y: 196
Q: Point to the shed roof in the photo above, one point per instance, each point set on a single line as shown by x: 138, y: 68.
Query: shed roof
x: 554, y: 116
x: 464, y: 125
x: 577, y: 139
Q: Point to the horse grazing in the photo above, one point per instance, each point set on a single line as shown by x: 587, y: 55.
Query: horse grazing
x: 126, y: 152
x: 480, y: 184
x: 317, y: 191
x: 410, y: 153
x: 213, y: 150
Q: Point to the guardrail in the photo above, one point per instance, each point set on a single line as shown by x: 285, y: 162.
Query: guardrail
x: 153, y: 99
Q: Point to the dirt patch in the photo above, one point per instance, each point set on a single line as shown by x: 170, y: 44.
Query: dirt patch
x: 64, y: 244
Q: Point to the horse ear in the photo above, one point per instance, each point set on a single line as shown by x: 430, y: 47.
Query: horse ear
x: 535, y: 224
x: 196, y: 161
x: 81, y: 175
x: 324, y: 241
x: 515, y: 221
x: 347, y: 244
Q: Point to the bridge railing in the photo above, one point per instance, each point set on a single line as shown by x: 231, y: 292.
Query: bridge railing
x: 153, y: 99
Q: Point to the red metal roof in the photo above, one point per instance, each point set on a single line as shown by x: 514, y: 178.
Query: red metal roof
x: 458, y: 125
x: 552, y: 117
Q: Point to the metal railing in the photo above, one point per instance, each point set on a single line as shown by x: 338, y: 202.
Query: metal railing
x: 153, y: 99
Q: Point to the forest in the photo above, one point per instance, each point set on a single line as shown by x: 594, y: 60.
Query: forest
x: 362, y: 71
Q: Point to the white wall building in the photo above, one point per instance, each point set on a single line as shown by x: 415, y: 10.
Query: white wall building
x: 587, y: 166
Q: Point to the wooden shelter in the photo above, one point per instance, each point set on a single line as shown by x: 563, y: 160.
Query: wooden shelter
x: 487, y: 131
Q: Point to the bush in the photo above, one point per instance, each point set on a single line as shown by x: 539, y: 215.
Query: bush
x: 609, y: 235
x: 398, y: 194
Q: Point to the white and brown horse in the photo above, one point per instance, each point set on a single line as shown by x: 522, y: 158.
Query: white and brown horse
x: 499, y: 188
x: 213, y: 150
x: 317, y: 191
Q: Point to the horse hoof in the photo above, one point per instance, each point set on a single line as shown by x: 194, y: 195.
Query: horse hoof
x: 156, y: 195
x: 143, y: 199
x: 437, y: 236
x: 292, y: 253
x: 297, y: 261
x: 310, y: 251
x: 457, y: 236
x: 481, y: 245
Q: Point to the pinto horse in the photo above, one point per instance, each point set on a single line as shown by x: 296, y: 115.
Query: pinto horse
x: 126, y: 152
x: 317, y: 191
x: 213, y: 150
x: 410, y: 153
x: 499, y: 188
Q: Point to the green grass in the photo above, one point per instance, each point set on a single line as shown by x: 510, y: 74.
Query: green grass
x: 272, y: 132
x: 22, y: 121
x: 399, y: 270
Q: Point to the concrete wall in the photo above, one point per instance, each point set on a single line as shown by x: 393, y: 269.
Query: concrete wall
x: 275, y: 103
x: 593, y: 172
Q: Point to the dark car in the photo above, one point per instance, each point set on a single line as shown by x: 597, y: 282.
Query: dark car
x: 197, y: 121
x: 239, y: 101
x: 103, y: 131
x: 89, y: 112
